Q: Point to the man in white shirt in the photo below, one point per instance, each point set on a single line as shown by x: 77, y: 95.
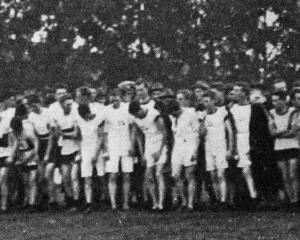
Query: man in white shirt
x: 41, y: 120
x: 120, y: 147
x: 153, y: 127
x: 286, y: 143
x: 65, y: 123
x: 216, y: 125
x: 241, y: 112
x: 185, y: 127
x: 5, y: 152
x: 91, y: 131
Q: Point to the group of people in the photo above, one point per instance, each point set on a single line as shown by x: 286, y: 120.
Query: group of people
x: 222, y: 144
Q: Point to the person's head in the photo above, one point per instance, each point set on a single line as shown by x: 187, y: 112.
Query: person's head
x: 295, y: 97
x: 60, y: 91
x: 128, y: 94
x: 279, y: 99
x: 49, y: 99
x: 34, y: 103
x: 174, y: 108
x: 156, y: 90
x: 101, y: 96
x: 183, y: 96
x: 209, y: 101
x: 115, y: 98
x: 16, y: 125
x: 257, y: 93
x: 136, y: 110
x: 93, y: 94
x: 84, y: 110
x: 66, y: 102
x: 280, y: 84
x: 21, y: 111
x: 142, y: 88
x: 241, y: 91
x: 199, y: 88
x: 84, y: 95
x: 219, y: 89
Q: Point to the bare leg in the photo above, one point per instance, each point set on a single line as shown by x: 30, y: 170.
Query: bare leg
x: 88, y: 189
x: 49, y: 172
x: 4, y: 187
x: 250, y: 183
x: 285, y: 176
x: 150, y: 186
x: 293, y: 175
x: 222, y: 184
x: 112, y: 187
x: 126, y: 190
x: 161, y: 185
x: 190, y: 176
x: 75, y: 181
x: 32, y: 187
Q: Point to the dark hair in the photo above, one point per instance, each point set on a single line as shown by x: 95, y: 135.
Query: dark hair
x: 49, y: 99
x: 34, y: 99
x: 83, y: 109
x: 115, y: 92
x: 294, y: 92
x: 85, y: 91
x: 134, y: 107
x: 173, y: 106
x: 142, y: 80
x: 65, y: 97
x: 244, y: 85
x: 281, y: 94
x: 21, y: 110
x: 185, y: 92
x: 220, y: 86
x: 16, y: 125
x: 211, y: 94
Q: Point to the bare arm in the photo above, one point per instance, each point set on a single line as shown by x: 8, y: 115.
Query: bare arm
x: 229, y: 129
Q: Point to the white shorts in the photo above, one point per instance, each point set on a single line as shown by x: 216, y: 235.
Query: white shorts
x: 243, y: 150
x: 112, y: 165
x: 183, y: 155
x: 87, y: 166
x: 150, y: 150
x: 215, y: 158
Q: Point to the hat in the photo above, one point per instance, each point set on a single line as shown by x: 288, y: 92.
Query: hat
x: 167, y: 93
x: 157, y: 86
x: 201, y: 84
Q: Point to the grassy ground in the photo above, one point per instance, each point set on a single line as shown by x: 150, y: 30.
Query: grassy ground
x: 144, y: 225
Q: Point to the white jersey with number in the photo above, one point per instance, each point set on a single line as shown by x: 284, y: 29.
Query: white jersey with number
x: 117, y: 122
x: 282, y: 122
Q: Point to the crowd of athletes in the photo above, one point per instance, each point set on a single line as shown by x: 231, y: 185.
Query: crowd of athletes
x: 218, y: 146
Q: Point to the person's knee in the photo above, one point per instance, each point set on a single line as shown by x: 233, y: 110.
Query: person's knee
x: 149, y: 178
x: 247, y: 173
x: 293, y: 174
x: 33, y: 180
x: 112, y: 177
x: 126, y: 177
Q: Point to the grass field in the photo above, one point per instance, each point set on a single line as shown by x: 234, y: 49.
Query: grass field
x: 144, y: 225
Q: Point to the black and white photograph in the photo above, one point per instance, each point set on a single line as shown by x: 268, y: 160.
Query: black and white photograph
x: 149, y: 119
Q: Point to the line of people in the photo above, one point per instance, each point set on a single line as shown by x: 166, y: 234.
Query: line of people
x: 226, y: 144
